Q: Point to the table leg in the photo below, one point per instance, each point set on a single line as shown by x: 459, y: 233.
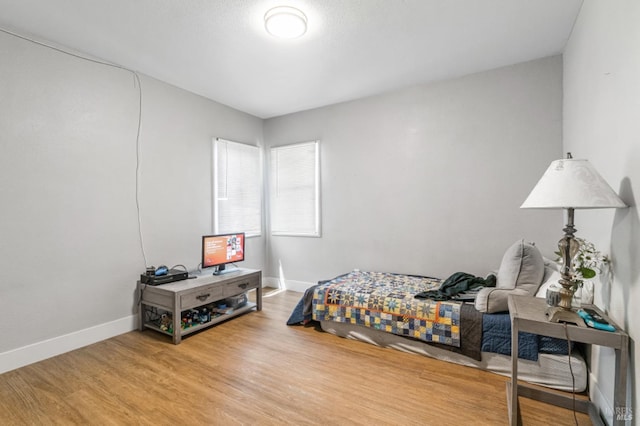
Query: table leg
x: 177, y: 319
x: 621, y: 413
x: 259, y: 298
x: 140, y: 308
x: 513, y: 409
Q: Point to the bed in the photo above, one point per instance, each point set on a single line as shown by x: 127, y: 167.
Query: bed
x: 382, y: 309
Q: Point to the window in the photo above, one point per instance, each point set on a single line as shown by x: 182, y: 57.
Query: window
x: 237, y: 188
x: 295, y: 189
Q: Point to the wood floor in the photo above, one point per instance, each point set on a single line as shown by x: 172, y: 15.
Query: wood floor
x: 255, y: 370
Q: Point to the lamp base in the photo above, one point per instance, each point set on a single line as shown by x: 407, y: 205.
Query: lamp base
x: 557, y: 314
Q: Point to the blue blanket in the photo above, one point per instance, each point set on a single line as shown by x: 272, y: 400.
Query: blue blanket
x: 496, y: 337
x: 298, y: 316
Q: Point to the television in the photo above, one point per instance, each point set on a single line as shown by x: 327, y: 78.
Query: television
x: 220, y: 250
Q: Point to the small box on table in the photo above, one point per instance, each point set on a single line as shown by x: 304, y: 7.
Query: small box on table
x: 237, y: 301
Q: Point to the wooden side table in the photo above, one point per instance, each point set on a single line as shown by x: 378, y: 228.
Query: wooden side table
x: 528, y: 315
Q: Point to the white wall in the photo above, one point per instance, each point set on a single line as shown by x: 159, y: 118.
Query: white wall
x: 602, y: 124
x: 69, y: 246
x: 428, y: 180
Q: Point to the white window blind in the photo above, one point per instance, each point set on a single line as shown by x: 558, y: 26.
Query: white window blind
x: 295, y: 189
x: 237, y: 188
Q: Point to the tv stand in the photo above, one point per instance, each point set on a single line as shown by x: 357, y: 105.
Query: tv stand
x: 182, y: 296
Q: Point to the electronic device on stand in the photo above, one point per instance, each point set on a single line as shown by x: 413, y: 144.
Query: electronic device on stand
x: 163, y: 275
x: 221, y: 250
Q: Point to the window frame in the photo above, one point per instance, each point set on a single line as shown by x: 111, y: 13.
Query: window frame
x: 216, y: 207
x: 317, y: 231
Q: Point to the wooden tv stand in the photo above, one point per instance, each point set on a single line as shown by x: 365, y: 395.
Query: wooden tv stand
x: 177, y: 297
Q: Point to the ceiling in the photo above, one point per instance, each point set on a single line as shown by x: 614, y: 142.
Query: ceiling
x: 353, y: 48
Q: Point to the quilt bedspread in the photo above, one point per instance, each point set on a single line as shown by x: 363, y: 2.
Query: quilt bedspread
x: 386, y: 301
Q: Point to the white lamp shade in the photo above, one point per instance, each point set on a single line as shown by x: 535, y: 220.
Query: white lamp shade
x: 572, y: 183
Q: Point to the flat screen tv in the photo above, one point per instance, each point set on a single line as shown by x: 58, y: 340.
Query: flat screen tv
x: 220, y: 250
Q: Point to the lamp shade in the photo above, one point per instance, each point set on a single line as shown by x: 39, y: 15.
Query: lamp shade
x: 572, y: 183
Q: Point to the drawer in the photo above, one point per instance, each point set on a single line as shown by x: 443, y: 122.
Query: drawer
x: 239, y: 286
x: 165, y: 300
x: 201, y: 297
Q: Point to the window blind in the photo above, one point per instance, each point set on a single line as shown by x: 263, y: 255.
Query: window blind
x: 237, y: 188
x: 295, y: 189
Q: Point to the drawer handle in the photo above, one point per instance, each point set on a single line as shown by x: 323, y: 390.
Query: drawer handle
x: 243, y: 285
x: 203, y: 297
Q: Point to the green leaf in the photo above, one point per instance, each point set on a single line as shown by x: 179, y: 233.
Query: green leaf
x: 587, y: 273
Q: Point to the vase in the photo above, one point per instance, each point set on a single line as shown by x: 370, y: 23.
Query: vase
x: 583, y: 295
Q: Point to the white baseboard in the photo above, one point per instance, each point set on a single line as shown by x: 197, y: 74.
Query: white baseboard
x: 299, y: 286
x: 39, y: 351
x: 271, y: 282
x: 602, y: 403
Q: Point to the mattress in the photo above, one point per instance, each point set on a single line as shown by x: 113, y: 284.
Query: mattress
x: 549, y: 370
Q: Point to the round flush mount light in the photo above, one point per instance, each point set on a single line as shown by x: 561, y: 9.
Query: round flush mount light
x: 285, y: 22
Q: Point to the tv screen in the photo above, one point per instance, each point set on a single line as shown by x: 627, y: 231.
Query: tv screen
x: 218, y: 250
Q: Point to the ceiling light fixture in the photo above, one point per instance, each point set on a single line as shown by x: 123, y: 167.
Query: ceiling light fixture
x: 285, y: 22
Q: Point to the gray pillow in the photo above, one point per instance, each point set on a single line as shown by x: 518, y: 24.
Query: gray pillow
x: 522, y: 267
x: 521, y: 272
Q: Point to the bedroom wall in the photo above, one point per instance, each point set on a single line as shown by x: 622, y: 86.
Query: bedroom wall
x: 601, y: 110
x: 70, y: 250
x: 427, y: 180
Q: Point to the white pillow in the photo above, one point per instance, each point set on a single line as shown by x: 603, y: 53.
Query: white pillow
x: 551, y: 264
x: 522, y: 267
x: 521, y: 272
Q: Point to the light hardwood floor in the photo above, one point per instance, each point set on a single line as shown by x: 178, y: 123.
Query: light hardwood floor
x: 255, y: 370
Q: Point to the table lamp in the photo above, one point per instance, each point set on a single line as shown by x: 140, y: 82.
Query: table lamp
x: 570, y: 184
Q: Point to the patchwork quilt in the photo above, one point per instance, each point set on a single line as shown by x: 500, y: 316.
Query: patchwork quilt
x: 385, y: 301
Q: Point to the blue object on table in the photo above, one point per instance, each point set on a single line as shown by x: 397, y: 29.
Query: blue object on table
x: 595, y: 321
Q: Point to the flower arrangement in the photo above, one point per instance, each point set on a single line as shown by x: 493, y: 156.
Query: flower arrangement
x: 586, y: 263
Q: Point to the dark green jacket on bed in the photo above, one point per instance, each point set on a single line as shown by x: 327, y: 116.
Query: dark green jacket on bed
x: 457, y: 283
